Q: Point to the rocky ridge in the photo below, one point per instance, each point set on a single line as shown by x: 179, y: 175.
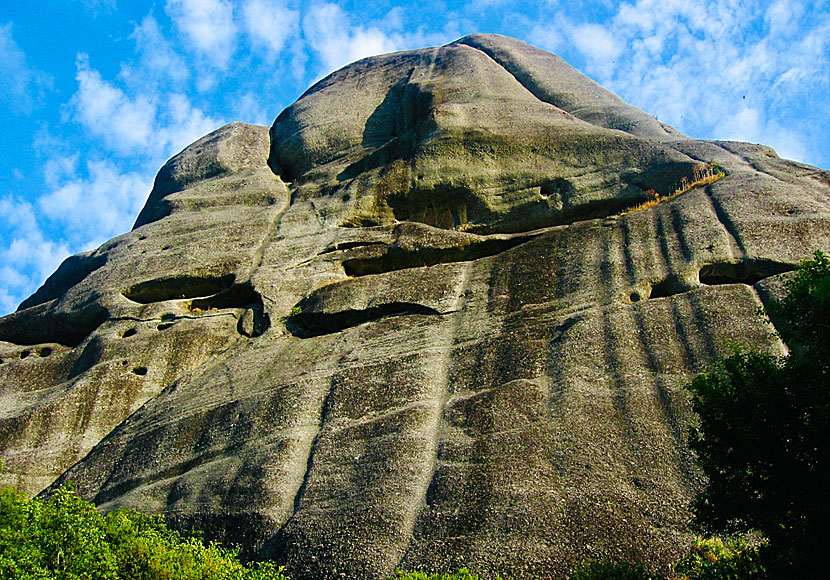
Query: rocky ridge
x: 408, y: 325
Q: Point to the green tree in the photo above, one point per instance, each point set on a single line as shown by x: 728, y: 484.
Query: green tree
x: 65, y: 538
x: 764, y: 433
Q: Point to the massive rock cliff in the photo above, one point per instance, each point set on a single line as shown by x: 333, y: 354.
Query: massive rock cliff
x: 410, y: 324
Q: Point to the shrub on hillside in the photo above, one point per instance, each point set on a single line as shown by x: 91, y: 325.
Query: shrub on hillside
x: 719, y: 559
x: 764, y: 435
x: 65, y: 538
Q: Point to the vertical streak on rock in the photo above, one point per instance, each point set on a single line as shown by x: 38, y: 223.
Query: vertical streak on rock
x: 657, y: 369
x: 443, y: 397
x: 736, y: 247
x: 630, y: 266
x: 256, y: 262
x: 614, y: 354
x: 666, y: 252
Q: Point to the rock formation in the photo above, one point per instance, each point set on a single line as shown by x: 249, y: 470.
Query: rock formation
x: 410, y: 325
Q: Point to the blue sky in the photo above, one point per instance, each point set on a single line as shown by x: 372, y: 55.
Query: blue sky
x: 96, y: 94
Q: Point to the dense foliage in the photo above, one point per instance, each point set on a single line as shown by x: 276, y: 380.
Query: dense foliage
x: 65, y: 538
x: 718, y: 559
x: 764, y: 433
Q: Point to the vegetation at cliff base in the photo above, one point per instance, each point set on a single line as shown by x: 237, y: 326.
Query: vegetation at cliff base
x: 764, y: 434
x: 65, y: 538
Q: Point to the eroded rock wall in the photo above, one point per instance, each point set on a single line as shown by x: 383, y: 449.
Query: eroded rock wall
x: 408, y: 325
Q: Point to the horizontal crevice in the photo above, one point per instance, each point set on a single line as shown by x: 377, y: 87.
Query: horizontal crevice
x: 40, y: 324
x: 748, y: 272
x: 396, y: 258
x: 307, y: 325
x: 350, y: 246
x: 177, y: 287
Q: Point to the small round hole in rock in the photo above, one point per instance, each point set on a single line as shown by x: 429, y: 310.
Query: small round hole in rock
x: 141, y: 371
x: 44, y: 352
x: 25, y: 353
x: 635, y: 297
x: 164, y: 326
x: 130, y: 332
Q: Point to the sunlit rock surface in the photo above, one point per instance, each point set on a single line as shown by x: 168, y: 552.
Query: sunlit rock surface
x: 408, y: 326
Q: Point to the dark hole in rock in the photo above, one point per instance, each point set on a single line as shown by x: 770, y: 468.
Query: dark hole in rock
x: 124, y: 363
x: 44, y: 352
x: 634, y: 297
x: 667, y: 287
x: 748, y: 272
x: 164, y: 325
x: 307, y: 325
x: 238, y: 296
x: 177, y: 287
x: 25, y: 353
x: 142, y: 237
x: 129, y: 332
x: 140, y: 371
x: 557, y: 187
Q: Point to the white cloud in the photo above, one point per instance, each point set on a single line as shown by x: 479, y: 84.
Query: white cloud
x: 26, y: 255
x: 104, y: 203
x: 151, y: 126
x: 330, y: 34
x: 21, y: 87
x: 125, y: 124
x: 181, y: 124
x: 546, y: 36
x: 158, y: 59
x: 248, y: 109
x: 714, y: 69
x: 270, y: 24
x: 596, y: 43
x: 208, y: 26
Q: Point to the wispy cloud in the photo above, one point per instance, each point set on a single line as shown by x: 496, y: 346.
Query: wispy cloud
x: 27, y: 255
x: 336, y: 41
x: 712, y: 68
x: 158, y: 60
x: 125, y: 124
x: 208, y: 26
x: 270, y: 24
x: 101, y: 205
x: 21, y: 87
x: 152, y: 125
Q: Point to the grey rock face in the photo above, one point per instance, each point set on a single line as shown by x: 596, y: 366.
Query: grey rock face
x: 408, y: 326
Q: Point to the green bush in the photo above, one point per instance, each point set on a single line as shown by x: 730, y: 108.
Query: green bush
x: 65, y: 538
x: 764, y: 431
x: 718, y: 559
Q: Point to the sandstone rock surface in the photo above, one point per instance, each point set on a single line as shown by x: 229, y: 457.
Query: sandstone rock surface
x: 408, y: 326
